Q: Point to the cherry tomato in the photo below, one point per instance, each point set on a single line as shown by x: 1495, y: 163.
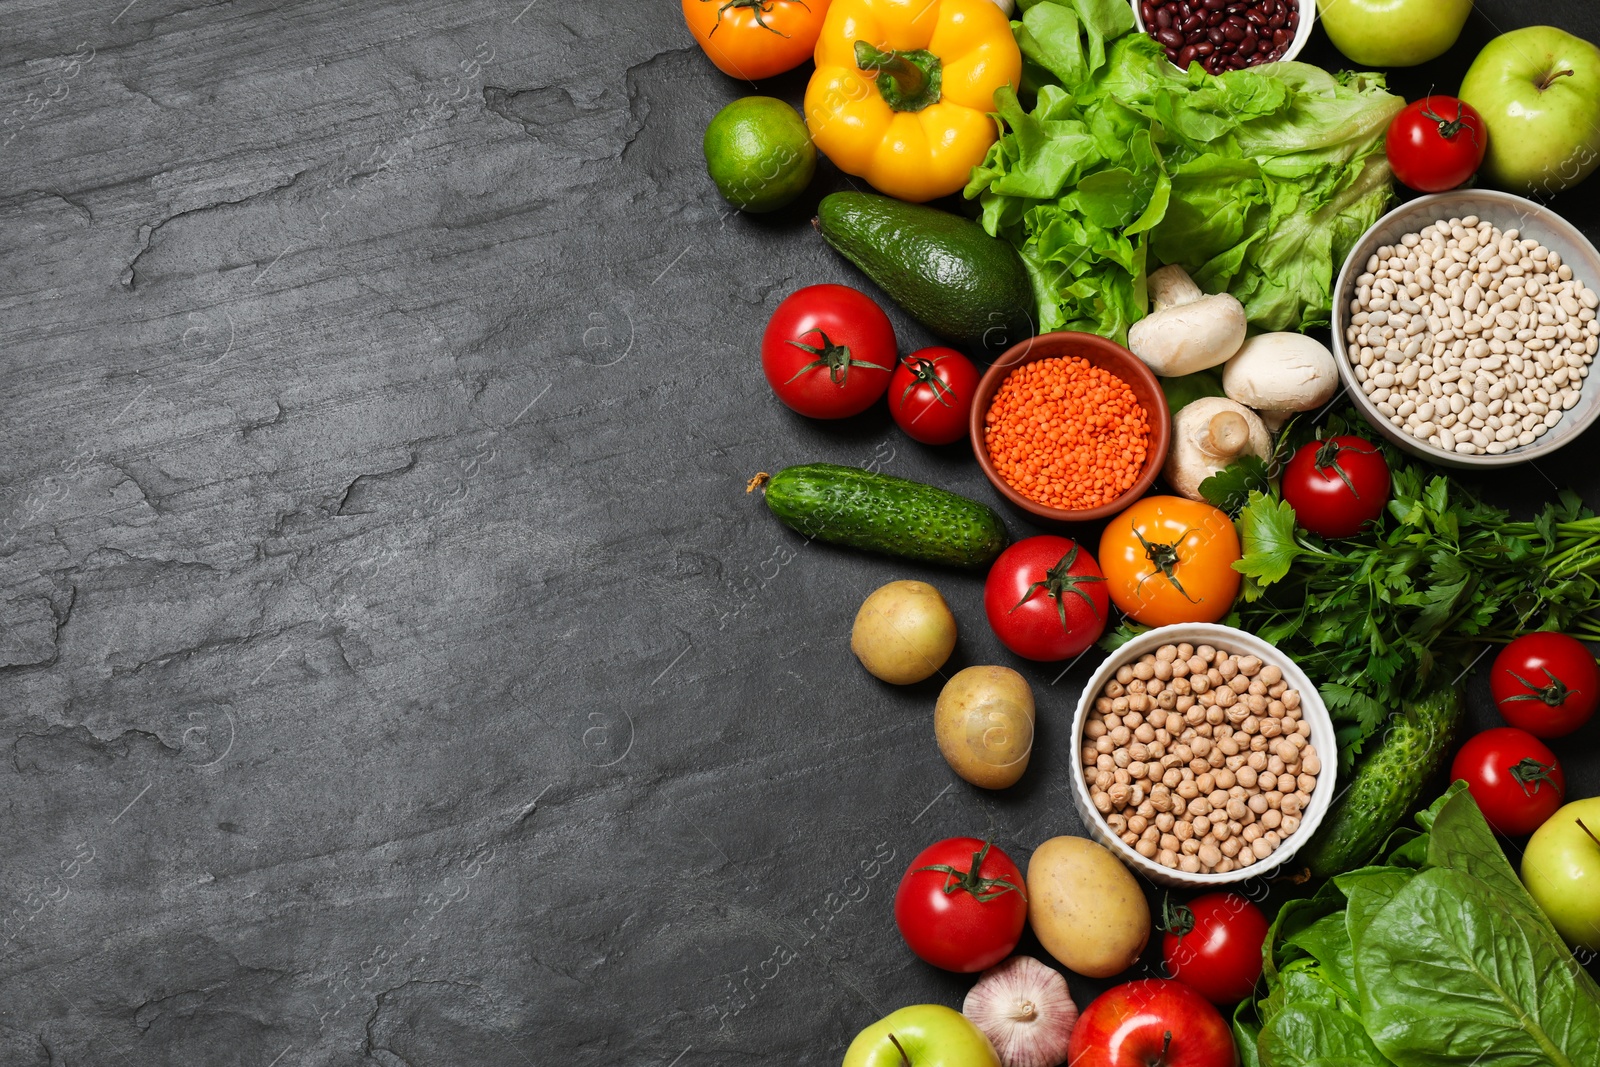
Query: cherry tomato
x: 1515, y: 779
x: 930, y: 395
x: 828, y: 351
x: 1545, y: 683
x: 1169, y: 560
x: 1213, y: 945
x: 1337, y: 486
x: 961, y: 905
x: 753, y: 39
x: 1046, y: 598
x: 1436, y: 144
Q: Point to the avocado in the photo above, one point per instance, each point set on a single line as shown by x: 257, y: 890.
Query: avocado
x: 969, y: 288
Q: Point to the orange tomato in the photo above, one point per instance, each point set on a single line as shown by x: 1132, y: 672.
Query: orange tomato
x: 754, y: 39
x: 1168, y: 560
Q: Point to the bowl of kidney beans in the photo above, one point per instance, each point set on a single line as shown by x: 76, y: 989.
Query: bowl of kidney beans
x: 1224, y: 35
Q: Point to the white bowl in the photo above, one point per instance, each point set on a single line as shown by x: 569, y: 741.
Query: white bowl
x: 1302, y: 33
x: 1312, y: 710
x: 1506, y: 212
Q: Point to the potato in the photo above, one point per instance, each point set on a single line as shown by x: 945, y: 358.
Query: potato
x: 904, y: 632
x: 984, y: 724
x: 1085, y: 907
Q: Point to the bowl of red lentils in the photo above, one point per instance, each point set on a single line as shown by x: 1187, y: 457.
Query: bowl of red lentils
x: 1070, y: 427
x: 1200, y: 756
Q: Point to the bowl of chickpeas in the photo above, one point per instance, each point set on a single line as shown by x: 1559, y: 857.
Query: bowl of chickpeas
x: 1205, y: 756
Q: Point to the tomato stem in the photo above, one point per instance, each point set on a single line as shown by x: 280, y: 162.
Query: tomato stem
x: 1531, y: 774
x: 1178, y: 920
x: 1553, y: 695
x: 759, y: 8
x: 836, y: 358
x: 1448, y: 128
x: 925, y: 372
x: 982, y: 889
x: 1165, y: 558
x: 1058, y: 581
x: 1327, y: 458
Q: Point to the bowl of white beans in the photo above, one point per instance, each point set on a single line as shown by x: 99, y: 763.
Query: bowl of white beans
x: 1203, y: 756
x: 1465, y: 328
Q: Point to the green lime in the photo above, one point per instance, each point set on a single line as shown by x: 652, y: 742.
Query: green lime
x: 759, y: 153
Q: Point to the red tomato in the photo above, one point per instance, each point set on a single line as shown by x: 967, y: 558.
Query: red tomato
x: 961, y: 905
x: 1337, y: 486
x: 1436, y: 144
x: 1213, y: 945
x: 1515, y: 779
x: 1545, y: 683
x: 828, y: 351
x: 1046, y: 598
x: 930, y: 395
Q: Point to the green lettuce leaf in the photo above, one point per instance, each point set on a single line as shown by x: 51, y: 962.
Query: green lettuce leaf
x: 1257, y: 182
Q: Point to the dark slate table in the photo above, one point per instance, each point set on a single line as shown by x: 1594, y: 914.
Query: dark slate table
x: 392, y: 667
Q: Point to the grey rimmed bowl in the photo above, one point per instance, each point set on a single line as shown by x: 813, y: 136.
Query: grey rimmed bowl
x: 1506, y: 212
x: 1313, y: 710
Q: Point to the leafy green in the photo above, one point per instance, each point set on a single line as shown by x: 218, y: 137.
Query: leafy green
x: 1230, y: 488
x: 1257, y: 182
x: 1449, y: 965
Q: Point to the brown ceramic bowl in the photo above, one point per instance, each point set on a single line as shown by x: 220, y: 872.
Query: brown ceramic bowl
x: 1107, y: 355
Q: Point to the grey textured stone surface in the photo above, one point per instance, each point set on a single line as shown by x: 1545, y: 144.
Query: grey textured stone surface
x: 392, y: 667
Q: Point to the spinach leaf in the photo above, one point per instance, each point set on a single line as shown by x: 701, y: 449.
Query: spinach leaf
x: 1328, y: 942
x: 1314, y: 1035
x: 1459, y: 837
x: 1451, y: 970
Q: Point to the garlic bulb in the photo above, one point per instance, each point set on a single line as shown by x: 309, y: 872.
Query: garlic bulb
x: 1026, y: 1010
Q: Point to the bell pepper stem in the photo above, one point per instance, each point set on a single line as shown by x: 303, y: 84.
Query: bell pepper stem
x: 908, y: 81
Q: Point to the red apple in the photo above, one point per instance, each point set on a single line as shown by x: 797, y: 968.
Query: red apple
x: 1151, y: 1023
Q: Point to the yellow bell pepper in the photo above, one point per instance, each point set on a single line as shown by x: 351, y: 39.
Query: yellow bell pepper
x: 903, y: 90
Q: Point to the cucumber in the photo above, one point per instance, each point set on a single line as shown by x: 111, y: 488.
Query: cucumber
x: 882, y: 513
x: 1387, y: 784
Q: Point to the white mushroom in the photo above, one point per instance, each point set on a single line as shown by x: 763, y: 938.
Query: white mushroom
x: 1207, y: 435
x: 1186, y: 330
x: 1279, y: 374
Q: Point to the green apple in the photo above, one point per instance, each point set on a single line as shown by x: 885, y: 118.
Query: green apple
x: 923, y: 1035
x: 1561, y: 869
x: 1393, y: 33
x: 1538, y: 90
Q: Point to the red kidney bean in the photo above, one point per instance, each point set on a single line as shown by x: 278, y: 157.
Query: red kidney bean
x: 1222, y: 35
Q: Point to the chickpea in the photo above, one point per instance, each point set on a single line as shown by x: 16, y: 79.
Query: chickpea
x: 1229, y: 848
x: 1277, y: 690
x: 1169, y: 842
x: 1141, y: 805
x: 1199, y: 683
x: 1251, y: 834
x: 1205, y: 781
x: 1166, y: 653
x: 1136, y: 769
x: 1104, y: 762
x: 1261, y: 848
x: 1225, y: 698
x: 1136, y: 688
x: 1166, y: 700
x: 1250, y: 666
x: 1276, y: 709
x: 1306, y: 782
x: 1125, y: 674
x: 1163, y: 671
x: 1146, y: 849
x: 1220, y: 831
x: 1291, y: 823
x: 1174, y: 723
x: 1189, y: 864
x: 1121, y: 757
x: 1248, y: 776
x: 1150, y: 833
x: 1102, y: 802
x: 1119, y: 707
x: 1206, y: 652
x: 1224, y: 865
x: 1291, y: 699
x: 1257, y: 804
x: 1120, y: 736
x: 1258, y: 761
x: 1199, y: 806
x: 1258, y: 743
x: 1185, y: 650
x: 1215, y: 715
x: 1215, y: 677
x: 1274, y: 798
x: 1209, y: 855
x: 1291, y: 804
x: 1240, y: 685
x: 1310, y: 762
x: 1172, y: 778
x: 1266, y: 780
x: 1202, y: 826
x: 1189, y: 847
x: 1250, y: 725
x: 1236, y: 808
x: 1187, y: 789
x: 1101, y: 705
x: 1139, y: 751
x: 1118, y: 824
x: 1114, y: 689
x: 1272, y: 819
x: 1224, y: 778
x: 1255, y: 688
x: 1184, y: 830
x: 1103, y: 744
x: 1167, y: 859
x: 1270, y: 727
x: 1138, y: 704
x: 1164, y: 822
x: 1145, y: 669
